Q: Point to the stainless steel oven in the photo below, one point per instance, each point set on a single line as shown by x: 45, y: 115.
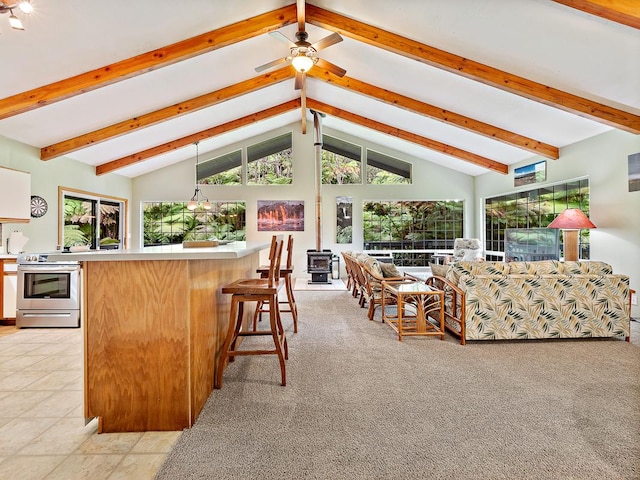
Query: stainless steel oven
x: 48, y: 292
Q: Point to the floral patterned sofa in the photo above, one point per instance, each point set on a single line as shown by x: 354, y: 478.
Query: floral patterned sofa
x: 545, y: 299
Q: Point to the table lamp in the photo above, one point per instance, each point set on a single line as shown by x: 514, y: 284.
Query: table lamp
x: 571, y: 221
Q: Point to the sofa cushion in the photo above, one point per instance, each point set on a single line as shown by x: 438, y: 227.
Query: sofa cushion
x: 479, y: 268
x: 542, y: 267
x: 389, y: 270
x: 438, y: 270
x: 360, y: 256
x: 587, y: 267
x: 373, y: 265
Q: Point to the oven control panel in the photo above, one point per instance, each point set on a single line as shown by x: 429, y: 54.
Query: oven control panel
x: 33, y: 258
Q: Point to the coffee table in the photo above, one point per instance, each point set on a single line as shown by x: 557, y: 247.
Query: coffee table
x: 419, y: 309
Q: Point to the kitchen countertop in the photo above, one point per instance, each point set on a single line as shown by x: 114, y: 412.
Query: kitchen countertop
x: 165, y: 252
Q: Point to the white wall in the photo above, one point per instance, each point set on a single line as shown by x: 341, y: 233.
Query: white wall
x: 45, y: 179
x: 614, y: 210
x: 430, y: 182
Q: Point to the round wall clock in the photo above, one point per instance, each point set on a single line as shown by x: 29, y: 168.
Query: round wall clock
x: 38, y: 206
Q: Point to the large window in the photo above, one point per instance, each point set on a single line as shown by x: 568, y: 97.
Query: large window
x: 222, y: 170
x: 270, y: 162
x: 340, y: 161
x: 92, y: 220
x: 171, y: 223
x: 422, y: 226
x: 532, y: 209
x: 384, y: 170
x: 267, y: 163
x: 342, y: 164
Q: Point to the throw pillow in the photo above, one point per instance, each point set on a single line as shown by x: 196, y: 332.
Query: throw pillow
x: 438, y: 270
x: 389, y: 270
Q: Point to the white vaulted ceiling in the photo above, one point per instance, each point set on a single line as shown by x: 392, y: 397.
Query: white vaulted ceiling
x: 542, y: 41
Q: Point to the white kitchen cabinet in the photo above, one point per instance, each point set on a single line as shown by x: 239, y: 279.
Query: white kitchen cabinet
x: 15, y: 196
x: 10, y: 295
x: 9, y: 289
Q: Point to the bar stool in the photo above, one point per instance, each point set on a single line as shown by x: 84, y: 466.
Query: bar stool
x: 286, y: 274
x: 261, y: 290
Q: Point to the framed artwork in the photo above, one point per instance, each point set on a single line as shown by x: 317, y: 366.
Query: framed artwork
x: 280, y: 215
x: 344, y: 213
x: 534, y: 173
x: 634, y: 172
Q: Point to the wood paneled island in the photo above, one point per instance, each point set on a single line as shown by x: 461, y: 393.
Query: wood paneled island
x: 154, y: 320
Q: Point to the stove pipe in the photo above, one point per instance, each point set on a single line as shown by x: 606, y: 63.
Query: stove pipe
x: 317, y: 143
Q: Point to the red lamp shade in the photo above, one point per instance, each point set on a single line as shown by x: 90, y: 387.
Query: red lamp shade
x: 572, y: 219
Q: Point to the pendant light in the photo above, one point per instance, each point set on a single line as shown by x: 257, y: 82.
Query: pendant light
x: 198, y: 197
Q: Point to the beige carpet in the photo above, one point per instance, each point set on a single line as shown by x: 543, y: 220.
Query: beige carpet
x: 361, y: 405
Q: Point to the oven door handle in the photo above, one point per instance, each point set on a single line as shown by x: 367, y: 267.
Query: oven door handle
x: 58, y: 268
x: 46, y: 314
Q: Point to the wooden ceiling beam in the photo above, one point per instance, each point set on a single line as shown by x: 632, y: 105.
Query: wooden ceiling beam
x: 626, y: 12
x: 409, y: 136
x: 173, y: 111
x: 508, y: 82
x: 146, y: 62
x: 196, y: 137
x: 534, y: 146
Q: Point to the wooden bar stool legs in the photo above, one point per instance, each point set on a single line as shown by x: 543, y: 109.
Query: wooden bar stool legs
x: 230, y: 348
x: 260, y: 291
x: 286, y: 273
x: 291, y: 300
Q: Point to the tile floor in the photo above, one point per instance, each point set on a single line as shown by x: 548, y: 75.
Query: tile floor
x: 42, y: 430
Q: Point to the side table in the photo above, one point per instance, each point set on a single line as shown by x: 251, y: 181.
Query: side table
x: 415, y: 303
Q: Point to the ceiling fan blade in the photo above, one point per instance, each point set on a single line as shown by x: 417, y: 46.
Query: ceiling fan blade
x: 278, y: 36
x: 301, y: 19
x: 327, y: 41
x: 299, y: 81
x: 336, y: 70
x: 269, y: 65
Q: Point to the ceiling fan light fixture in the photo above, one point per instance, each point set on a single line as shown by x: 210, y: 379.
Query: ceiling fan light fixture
x: 25, y: 6
x: 302, y: 63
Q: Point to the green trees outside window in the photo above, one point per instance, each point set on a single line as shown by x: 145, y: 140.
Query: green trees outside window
x: 339, y: 170
x: 534, y: 208
x: 274, y: 169
x: 412, y: 225
x: 379, y: 176
x: 167, y: 223
x: 91, y: 221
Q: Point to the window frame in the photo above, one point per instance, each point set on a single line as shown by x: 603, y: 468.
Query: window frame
x: 251, y: 158
x: 421, y: 256
x: 191, y: 216
x: 64, y: 192
x: 345, y: 151
x: 537, y: 195
x: 370, y: 153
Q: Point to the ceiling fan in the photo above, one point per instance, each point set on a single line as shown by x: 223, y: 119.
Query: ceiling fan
x: 304, y: 55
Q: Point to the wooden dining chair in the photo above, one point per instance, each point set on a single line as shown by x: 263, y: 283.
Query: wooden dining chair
x: 286, y: 273
x: 255, y: 290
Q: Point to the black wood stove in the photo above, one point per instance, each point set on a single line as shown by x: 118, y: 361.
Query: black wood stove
x: 319, y: 266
